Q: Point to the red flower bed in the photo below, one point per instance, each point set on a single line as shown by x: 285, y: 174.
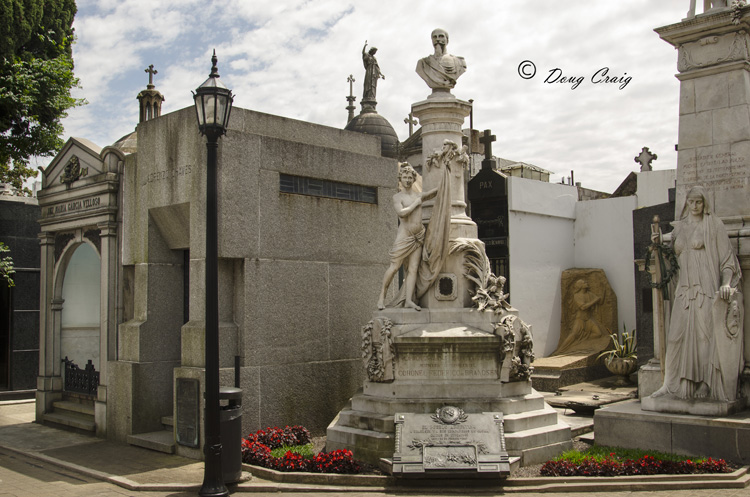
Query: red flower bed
x: 256, y: 450
x: 277, y: 437
x: 646, y: 465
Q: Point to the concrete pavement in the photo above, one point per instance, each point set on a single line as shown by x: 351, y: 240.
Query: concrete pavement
x: 37, y: 460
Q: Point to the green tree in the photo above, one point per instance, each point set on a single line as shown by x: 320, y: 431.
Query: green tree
x: 36, y: 76
x: 6, y: 265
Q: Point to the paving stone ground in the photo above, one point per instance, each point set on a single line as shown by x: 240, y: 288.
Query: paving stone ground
x: 40, y: 461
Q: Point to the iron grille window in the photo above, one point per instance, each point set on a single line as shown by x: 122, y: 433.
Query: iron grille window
x: 329, y: 189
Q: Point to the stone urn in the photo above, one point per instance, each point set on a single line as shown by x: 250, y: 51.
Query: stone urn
x: 623, y: 367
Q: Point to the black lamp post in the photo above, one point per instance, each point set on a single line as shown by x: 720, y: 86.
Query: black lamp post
x: 213, y: 103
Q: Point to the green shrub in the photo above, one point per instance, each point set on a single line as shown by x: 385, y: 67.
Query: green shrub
x: 306, y: 451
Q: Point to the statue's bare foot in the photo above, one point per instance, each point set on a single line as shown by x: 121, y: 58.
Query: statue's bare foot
x: 662, y: 392
x: 702, y: 391
x: 411, y: 305
x: 381, y: 305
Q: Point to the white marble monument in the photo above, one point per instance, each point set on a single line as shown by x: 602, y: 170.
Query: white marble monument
x: 449, y: 338
x: 705, y: 341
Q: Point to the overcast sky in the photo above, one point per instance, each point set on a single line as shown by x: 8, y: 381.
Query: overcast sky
x: 292, y: 58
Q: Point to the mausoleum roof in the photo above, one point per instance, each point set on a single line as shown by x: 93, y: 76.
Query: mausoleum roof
x: 128, y: 144
x: 372, y: 123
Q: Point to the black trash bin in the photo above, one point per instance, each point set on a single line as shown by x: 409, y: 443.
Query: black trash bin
x: 230, y: 423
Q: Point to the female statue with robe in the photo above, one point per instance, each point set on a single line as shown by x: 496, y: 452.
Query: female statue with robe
x: 372, y: 73
x: 704, y: 348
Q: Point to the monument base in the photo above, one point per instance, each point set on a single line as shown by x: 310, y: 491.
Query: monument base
x: 553, y: 373
x: 698, y: 407
x: 430, y: 359
x: 626, y: 425
x: 650, y: 379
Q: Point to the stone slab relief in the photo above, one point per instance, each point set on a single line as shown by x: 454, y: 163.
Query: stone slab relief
x: 450, y: 443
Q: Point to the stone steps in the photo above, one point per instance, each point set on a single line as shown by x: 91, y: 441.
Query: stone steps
x: 75, y: 414
x: 368, y: 421
x: 71, y: 406
x: 528, y: 420
x: 161, y: 441
x: 390, y: 406
x: 537, y: 437
x: 538, y: 445
x: 370, y: 445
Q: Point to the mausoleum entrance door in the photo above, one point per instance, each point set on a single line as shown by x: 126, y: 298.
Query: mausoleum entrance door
x: 80, y: 324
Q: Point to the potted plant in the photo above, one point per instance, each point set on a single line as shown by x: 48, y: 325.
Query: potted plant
x: 621, y: 359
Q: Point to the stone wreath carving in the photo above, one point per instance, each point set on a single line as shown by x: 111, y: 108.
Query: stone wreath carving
x: 377, y: 350
x: 72, y: 171
x: 521, y: 348
x: 449, y: 415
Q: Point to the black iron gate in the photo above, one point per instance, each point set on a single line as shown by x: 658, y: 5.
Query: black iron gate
x: 84, y: 381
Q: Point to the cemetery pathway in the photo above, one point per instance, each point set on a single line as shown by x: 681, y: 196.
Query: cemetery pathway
x: 40, y: 461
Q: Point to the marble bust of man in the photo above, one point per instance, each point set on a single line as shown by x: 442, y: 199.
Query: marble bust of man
x: 441, y: 70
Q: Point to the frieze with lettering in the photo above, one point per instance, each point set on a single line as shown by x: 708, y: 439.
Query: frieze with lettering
x: 71, y: 206
x: 169, y: 174
x: 450, y: 443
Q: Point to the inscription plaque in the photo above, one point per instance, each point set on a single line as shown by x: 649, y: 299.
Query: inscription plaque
x: 187, y: 414
x: 450, y: 443
x: 725, y: 174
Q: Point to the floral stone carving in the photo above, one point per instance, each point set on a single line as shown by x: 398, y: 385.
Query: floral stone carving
x: 378, y: 352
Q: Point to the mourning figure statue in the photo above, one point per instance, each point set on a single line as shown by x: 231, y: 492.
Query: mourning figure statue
x: 704, y: 352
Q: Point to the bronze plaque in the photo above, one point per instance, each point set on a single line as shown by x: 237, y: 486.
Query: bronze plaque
x: 188, y: 415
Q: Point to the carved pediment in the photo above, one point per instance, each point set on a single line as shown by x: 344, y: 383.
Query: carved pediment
x: 77, y: 160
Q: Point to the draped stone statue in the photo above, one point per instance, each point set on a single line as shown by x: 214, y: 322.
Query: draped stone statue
x: 407, y: 249
x: 440, y: 70
x: 372, y: 73
x: 707, y: 5
x: 435, y: 250
x: 704, y: 341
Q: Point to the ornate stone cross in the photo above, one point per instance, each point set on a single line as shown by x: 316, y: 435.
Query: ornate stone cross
x: 411, y: 122
x: 151, y: 71
x: 645, y: 158
x: 351, y: 98
x: 487, y: 140
x: 350, y: 79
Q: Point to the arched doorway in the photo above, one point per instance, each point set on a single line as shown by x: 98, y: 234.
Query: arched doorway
x: 80, y: 319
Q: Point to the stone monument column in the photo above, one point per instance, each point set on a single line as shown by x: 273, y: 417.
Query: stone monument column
x: 442, y: 116
x: 449, y: 343
x: 713, y: 61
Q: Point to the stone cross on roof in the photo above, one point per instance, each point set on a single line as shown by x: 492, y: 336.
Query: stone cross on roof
x: 487, y: 140
x: 151, y: 71
x: 351, y: 80
x: 351, y: 98
x: 411, y: 122
x: 645, y: 158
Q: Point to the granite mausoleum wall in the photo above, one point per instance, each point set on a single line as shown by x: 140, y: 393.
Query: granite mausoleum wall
x: 299, y: 273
